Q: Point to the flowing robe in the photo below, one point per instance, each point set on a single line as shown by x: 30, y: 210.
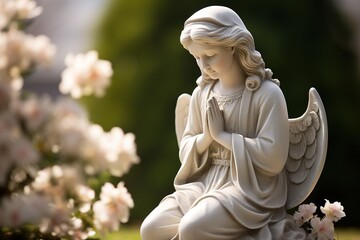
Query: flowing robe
x: 259, y: 127
x: 249, y: 181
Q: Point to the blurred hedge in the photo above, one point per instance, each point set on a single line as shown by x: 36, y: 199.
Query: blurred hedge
x: 305, y: 43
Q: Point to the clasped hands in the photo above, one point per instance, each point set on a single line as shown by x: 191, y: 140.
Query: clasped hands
x: 214, y: 120
x: 214, y: 129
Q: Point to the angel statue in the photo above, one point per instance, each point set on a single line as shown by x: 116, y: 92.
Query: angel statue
x: 244, y: 163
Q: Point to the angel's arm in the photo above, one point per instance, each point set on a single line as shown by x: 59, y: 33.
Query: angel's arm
x: 267, y: 147
x: 194, y: 129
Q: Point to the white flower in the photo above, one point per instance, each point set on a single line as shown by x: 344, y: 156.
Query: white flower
x: 85, y: 75
x: 113, y: 207
x: 304, y: 213
x: 94, y: 151
x: 333, y: 211
x: 57, y: 222
x: 42, y: 181
x: 115, y: 149
x: 14, y: 50
x: 65, y: 132
x: 19, y: 52
x: 13, y: 10
x: 85, y: 195
x: 35, y: 112
x: 23, y: 152
x: 41, y: 49
x: 126, y: 151
x: 322, y: 229
x: 24, y: 208
x: 60, y: 182
x: 26, y: 9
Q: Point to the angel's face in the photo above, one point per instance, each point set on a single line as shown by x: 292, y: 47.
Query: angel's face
x: 214, y: 61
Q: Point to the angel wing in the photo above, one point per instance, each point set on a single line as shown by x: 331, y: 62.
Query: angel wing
x: 181, y: 114
x: 307, y: 150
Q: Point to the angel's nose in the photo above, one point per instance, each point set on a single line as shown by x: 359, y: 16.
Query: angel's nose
x: 203, y: 64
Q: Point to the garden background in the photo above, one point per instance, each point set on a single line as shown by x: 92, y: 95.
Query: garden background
x: 305, y: 43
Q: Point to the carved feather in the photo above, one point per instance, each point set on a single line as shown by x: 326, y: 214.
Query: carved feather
x: 310, y: 151
x: 310, y: 135
x: 309, y: 162
x: 292, y: 166
x: 297, y: 151
x: 295, y: 137
x: 299, y: 176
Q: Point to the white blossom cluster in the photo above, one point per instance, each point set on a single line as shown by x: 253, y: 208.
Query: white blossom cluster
x: 20, y: 52
x: 319, y: 228
x: 13, y: 10
x: 85, y: 75
x: 49, y: 149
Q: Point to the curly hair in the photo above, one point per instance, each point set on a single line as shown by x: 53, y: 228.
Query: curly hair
x: 226, y: 29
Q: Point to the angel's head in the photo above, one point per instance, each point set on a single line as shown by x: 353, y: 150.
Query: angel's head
x: 221, y: 26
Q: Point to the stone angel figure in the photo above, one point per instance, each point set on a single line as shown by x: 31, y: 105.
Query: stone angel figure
x: 244, y: 163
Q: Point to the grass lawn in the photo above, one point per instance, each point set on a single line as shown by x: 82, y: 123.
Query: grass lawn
x: 132, y: 233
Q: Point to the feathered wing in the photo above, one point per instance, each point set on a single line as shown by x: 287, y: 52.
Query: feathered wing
x: 181, y: 115
x: 307, y: 150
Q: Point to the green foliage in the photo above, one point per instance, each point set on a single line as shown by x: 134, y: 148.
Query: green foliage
x: 303, y: 42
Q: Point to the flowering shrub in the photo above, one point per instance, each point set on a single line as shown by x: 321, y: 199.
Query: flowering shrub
x: 50, y: 153
x: 319, y: 228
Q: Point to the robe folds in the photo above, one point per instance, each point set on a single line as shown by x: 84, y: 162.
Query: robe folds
x: 253, y: 187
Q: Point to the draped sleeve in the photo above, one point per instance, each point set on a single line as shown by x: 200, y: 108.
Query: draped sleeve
x: 191, y: 162
x: 259, y: 156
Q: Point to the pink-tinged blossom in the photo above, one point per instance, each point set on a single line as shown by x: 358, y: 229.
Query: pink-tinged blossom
x: 85, y: 196
x: 59, y: 182
x: 23, y: 152
x: 12, y: 10
x: 13, y: 50
x: 65, y: 131
x: 113, y: 207
x: 41, y: 49
x: 112, y: 150
x: 24, y: 208
x: 19, y: 52
x: 58, y: 221
x: 85, y: 75
x: 322, y: 229
x: 304, y: 213
x: 35, y: 112
x: 124, y: 147
x: 333, y: 211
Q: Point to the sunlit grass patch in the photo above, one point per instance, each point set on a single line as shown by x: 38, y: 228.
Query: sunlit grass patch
x: 133, y: 233
x: 347, y: 234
